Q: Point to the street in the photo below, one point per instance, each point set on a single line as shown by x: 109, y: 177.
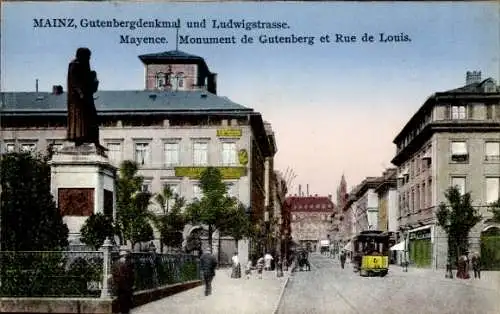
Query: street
x: 329, y: 289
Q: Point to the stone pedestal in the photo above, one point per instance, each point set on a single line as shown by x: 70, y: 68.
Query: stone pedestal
x: 82, y: 183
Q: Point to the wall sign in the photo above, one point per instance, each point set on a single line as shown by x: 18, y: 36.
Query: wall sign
x: 243, y: 157
x: 229, y: 133
x: 226, y: 172
x: 421, y: 234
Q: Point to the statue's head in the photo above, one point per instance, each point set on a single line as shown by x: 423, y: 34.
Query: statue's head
x: 83, y: 54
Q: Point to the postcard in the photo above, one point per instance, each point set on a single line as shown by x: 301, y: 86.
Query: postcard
x: 250, y: 157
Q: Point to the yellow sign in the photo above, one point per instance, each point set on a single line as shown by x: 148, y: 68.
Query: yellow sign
x: 243, y: 157
x: 234, y: 133
x: 226, y: 172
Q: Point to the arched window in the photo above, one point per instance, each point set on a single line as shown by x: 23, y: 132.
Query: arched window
x: 161, y: 80
x: 178, y: 81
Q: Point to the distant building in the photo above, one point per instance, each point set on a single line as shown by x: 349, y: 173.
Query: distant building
x: 452, y: 140
x: 388, y: 207
x: 174, y: 129
x: 311, y: 219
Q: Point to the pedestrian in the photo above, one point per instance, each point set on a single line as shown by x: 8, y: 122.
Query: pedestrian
x: 268, y: 259
x: 123, y: 282
x: 260, y: 266
x: 208, y: 264
x: 236, y: 268
x: 248, y: 269
x: 279, y: 267
x: 476, y: 265
x: 342, y: 259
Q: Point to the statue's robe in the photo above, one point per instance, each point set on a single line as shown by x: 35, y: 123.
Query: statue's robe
x: 83, y: 124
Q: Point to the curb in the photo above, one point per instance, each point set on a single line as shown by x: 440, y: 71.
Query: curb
x: 276, y: 307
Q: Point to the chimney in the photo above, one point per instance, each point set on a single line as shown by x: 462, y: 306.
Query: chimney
x: 212, y: 83
x: 330, y: 197
x: 300, y: 189
x: 57, y: 89
x: 472, y: 77
x: 36, y: 85
x: 307, y: 189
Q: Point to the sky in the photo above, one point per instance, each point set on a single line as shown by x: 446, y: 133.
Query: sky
x: 335, y: 107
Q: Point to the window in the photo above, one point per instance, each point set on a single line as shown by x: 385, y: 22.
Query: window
x: 489, y: 111
x: 492, y: 190
x: 161, y: 80
x: 143, y: 153
x: 178, y: 82
x: 174, y: 187
x: 492, y: 151
x: 55, y: 146
x: 146, y: 186
x: 229, y: 154
x: 459, y: 151
x: 11, y: 147
x: 197, y: 193
x: 458, y: 112
x: 200, y: 157
x: 115, y: 152
x: 231, y: 190
x: 459, y: 182
x: 171, y: 154
x: 417, y: 198
x: 429, y: 193
x: 28, y: 147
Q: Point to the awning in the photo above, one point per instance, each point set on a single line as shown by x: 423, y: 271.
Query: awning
x: 398, y: 247
x: 348, y: 246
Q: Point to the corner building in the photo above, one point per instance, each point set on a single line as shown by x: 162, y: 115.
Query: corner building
x: 174, y: 129
x: 452, y: 140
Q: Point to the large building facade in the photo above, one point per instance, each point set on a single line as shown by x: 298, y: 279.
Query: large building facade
x: 173, y: 129
x: 452, y: 140
x: 310, y: 219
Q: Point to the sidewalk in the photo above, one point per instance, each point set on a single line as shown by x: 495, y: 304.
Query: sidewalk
x: 489, y: 279
x: 229, y: 296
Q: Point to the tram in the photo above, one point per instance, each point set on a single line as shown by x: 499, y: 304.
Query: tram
x: 371, y: 253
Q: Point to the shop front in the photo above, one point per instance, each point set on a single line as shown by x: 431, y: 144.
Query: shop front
x: 420, y: 247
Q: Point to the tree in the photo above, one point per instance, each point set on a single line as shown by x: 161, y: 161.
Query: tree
x: 172, y: 224
x: 29, y: 216
x: 495, y: 210
x: 237, y: 224
x: 214, y: 204
x: 457, y: 219
x: 133, y: 216
x: 96, y: 229
x: 162, y: 199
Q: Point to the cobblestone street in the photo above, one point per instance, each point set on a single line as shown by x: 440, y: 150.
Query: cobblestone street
x: 329, y: 289
x: 242, y: 296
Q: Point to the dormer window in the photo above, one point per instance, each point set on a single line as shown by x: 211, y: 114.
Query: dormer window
x: 178, y: 81
x: 161, y: 80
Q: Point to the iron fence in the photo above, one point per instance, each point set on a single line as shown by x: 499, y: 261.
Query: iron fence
x: 51, y: 274
x: 87, y: 273
x: 153, y: 270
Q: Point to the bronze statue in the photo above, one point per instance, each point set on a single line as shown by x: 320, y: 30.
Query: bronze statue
x: 83, y: 125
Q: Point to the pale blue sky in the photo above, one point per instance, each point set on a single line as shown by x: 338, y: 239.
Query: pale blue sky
x: 335, y: 107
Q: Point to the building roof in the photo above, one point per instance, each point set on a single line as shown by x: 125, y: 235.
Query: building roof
x: 474, y: 89
x: 310, y: 204
x: 173, y: 56
x: 125, y: 101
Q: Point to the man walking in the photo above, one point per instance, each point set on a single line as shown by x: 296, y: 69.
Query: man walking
x: 342, y: 259
x: 123, y: 280
x: 476, y: 265
x: 208, y: 264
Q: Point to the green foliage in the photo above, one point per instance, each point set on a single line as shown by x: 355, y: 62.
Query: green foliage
x: 457, y: 218
x: 189, y: 271
x: 172, y: 224
x: 133, y: 217
x: 30, y: 219
x: 237, y: 224
x: 213, y: 208
x: 96, y: 229
x: 495, y: 210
